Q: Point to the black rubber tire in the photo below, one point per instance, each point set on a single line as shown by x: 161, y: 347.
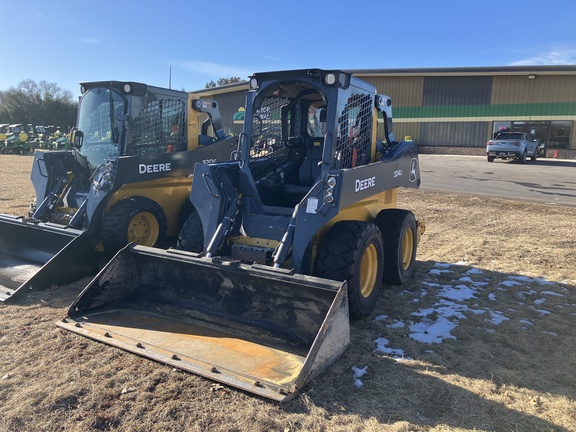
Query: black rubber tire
x: 353, y: 251
x: 134, y: 220
x: 185, y: 211
x: 400, y: 237
x: 490, y: 158
x: 191, y: 236
x: 534, y: 156
x: 522, y: 158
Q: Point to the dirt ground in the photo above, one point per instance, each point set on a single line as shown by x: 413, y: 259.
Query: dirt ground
x: 511, y: 374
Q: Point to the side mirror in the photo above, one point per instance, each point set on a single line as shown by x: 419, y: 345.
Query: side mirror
x: 77, y: 138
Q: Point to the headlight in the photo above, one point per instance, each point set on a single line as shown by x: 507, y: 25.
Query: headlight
x: 331, y: 183
x: 127, y: 88
x: 253, y: 84
x: 330, y: 79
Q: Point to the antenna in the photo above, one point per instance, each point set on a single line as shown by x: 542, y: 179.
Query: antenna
x: 170, y: 79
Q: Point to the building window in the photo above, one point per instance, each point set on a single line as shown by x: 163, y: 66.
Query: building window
x: 560, y: 133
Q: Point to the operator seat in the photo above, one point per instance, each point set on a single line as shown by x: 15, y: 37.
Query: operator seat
x: 308, y: 174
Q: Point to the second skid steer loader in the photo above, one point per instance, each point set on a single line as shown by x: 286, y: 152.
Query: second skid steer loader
x: 127, y: 180
x: 283, y: 244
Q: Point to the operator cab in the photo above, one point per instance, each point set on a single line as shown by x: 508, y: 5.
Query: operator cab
x: 287, y: 142
x: 129, y: 119
x: 288, y: 134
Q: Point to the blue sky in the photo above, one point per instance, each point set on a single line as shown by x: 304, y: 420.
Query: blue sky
x: 70, y: 41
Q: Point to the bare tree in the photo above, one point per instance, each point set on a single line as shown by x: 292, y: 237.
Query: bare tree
x: 40, y: 103
x: 224, y: 81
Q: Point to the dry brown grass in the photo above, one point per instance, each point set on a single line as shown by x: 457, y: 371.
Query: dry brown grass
x: 515, y: 376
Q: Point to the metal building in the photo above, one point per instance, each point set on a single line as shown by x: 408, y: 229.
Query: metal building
x: 456, y: 110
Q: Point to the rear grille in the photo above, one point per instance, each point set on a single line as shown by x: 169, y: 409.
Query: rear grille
x: 160, y: 128
x: 355, y: 132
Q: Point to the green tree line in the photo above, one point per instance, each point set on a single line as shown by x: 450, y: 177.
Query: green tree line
x: 39, y: 103
x: 223, y: 81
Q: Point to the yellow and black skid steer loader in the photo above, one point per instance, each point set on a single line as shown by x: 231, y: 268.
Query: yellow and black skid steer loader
x: 127, y: 180
x: 283, y: 244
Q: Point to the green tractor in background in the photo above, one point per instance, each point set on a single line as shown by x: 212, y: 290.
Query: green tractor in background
x: 3, y: 132
x: 61, y: 142
x: 40, y: 137
x: 18, y: 140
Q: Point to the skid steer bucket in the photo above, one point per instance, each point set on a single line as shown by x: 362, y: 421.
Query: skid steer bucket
x: 39, y: 255
x: 260, y: 329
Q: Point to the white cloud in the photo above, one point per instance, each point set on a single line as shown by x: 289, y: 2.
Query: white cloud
x: 554, y: 57
x: 89, y: 40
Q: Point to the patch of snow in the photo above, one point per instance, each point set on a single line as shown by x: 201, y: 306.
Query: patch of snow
x: 522, y: 279
x: 436, y: 272
x: 496, y: 317
x: 428, y: 331
x: 466, y: 279
x: 458, y: 292
x: 543, y: 312
x: 395, y: 324
x: 359, y: 373
x: 474, y: 271
x: 382, y: 346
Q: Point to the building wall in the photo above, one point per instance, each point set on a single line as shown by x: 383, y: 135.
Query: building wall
x: 461, y: 111
x: 405, y: 91
x: 542, y: 89
x: 456, y: 91
x: 454, y: 134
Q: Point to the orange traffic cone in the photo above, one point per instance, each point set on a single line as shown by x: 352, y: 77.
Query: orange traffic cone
x: 556, y: 154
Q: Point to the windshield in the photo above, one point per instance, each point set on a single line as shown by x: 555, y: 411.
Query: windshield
x: 97, y: 119
x: 316, y: 121
x: 509, y: 136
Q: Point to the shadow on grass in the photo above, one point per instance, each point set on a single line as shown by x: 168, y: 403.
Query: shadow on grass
x: 467, y: 348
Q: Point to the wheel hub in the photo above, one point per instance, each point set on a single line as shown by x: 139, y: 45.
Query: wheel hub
x: 143, y: 229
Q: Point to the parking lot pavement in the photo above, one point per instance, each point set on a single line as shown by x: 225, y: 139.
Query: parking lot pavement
x: 551, y: 181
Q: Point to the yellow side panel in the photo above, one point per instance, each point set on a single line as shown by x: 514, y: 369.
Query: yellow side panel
x: 170, y: 194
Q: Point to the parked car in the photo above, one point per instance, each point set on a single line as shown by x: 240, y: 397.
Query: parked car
x: 542, y: 147
x: 512, y: 145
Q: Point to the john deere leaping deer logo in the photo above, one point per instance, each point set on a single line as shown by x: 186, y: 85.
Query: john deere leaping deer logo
x: 413, y: 168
